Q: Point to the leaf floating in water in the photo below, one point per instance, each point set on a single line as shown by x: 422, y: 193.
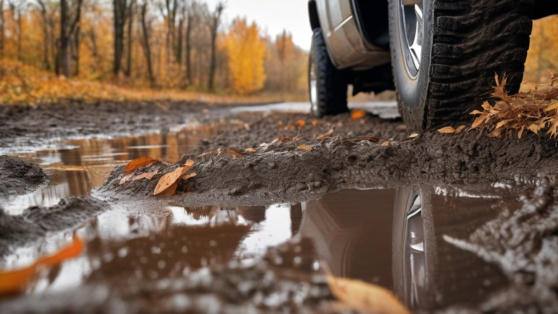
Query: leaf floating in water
x: 364, y: 296
x: 140, y: 163
x: 305, y: 147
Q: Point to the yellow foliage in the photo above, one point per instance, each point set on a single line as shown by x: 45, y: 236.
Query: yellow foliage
x: 246, y: 53
x: 542, y: 57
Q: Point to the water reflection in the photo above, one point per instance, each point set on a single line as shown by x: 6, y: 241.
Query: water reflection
x: 394, y: 238
x: 77, y: 170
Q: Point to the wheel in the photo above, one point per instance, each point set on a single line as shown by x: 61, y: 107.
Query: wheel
x: 413, y: 248
x: 326, y: 84
x: 445, y: 55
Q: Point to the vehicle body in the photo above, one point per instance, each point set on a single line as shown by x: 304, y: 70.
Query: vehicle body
x: 440, y: 57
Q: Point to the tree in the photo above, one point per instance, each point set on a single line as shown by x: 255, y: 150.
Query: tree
x: 131, y: 10
x: 246, y: 53
x: 119, y: 19
x: 2, y: 28
x: 216, y: 20
x: 70, y: 15
x: 145, y: 43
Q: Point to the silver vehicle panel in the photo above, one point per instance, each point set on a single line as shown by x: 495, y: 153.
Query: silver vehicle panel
x: 346, y: 46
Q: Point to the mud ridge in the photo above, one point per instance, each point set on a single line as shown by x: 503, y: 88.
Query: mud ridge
x: 35, y: 222
x: 18, y: 176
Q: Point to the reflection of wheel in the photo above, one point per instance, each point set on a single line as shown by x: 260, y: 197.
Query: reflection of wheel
x: 445, y: 54
x: 326, y: 84
x: 412, y: 247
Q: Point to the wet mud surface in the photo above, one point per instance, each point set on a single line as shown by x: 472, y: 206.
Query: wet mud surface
x: 19, y: 176
x: 446, y: 222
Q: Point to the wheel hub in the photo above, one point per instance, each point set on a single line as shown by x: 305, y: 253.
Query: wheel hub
x: 413, y: 29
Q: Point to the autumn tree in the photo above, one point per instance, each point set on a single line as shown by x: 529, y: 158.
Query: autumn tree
x: 2, y: 28
x: 131, y: 13
x: 246, y: 54
x: 215, y: 21
x: 119, y: 8
x: 541, y: 57
x: 146, y: 30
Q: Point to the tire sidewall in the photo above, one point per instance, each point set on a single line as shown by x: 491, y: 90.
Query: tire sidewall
x: 412, y: 91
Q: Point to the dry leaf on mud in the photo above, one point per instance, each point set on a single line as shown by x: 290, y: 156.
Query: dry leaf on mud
x: 233, y: 151
x: 314, y: 122
x: 168, y: 183
x: 300, y: 123
x: 133, y: 177
x: 413, y: 135
x: 305, y: 147
x: 460, y: 128
x: 447, y: 130
x: 364, y: 296
x: 15, y: 281
x: 188, y: 176
x: 386, y: 143
x: 284, y: 139
x: 250, y: 150
x: 327, y: 134
x: 362, y: 138
x: 140, y: 163
x: 358, y: 114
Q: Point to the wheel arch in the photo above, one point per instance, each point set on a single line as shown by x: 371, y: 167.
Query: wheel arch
x: 313, y: 15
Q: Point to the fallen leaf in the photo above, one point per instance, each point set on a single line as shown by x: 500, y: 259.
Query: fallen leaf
x: 314, y: 122
x: 235, y: 152
x: 447, y: 130
x: 147, y: 175
x: 358, y: 114
x: 386, y: 143
x: 127, y: 178
x: 413, y: 135
x: 362, y: 138
x: 305, y: 147
x: 15, y: 281
x: 459, y: 129
x: 188, y: 176
x: 140, y: 163
x: 284, y: 139
x: 289, y: 127
x: 167, y: 184
x: 552, y: 106
x: 327, y: 134
x: 365, y: 297
x: 250, y: 150
x: 300, y: 123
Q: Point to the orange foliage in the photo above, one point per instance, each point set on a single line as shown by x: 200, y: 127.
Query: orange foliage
x: 246, y: 54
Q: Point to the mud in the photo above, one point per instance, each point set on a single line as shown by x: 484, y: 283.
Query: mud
x: 36, y: 222
x: 280, y: 172
x: 489, y: 212
x: 18, y: 176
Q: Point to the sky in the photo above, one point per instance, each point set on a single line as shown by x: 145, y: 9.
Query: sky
x: 272, y: 16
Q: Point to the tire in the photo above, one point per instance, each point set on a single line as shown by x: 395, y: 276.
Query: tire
x: 464, y: 44
x: 327, y: 85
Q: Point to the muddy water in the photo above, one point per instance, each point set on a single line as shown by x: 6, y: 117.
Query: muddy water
x: 402, y: 238
x: 81, y: 165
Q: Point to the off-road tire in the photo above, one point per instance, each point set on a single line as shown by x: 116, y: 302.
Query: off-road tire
x: 466, y: 42
x: 331, y: 84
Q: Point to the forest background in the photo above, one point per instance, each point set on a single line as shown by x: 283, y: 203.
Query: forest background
x: 174, y: 45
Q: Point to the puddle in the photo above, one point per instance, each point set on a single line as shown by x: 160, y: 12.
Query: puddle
x: 85, y: 164
x: 389, y: 237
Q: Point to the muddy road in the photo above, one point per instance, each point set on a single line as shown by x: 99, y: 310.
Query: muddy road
x: 445, y: 222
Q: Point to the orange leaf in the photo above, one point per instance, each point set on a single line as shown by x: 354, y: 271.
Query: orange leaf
x: 358, y: 114
x: 147, y: 175
x: 300, y: 123
x: 167, y: 184
x: 314, y: 122
x: 447, y: 130
x: 14, y: 281
x: 459, y: 129
x: 305, y: 147
x: 327, y: 134
x: 386, y: 143
x: 250, y: 150
x: 139, y: 163
x: 233, y: 151
x: 188, y: 176
x: 284, y: 139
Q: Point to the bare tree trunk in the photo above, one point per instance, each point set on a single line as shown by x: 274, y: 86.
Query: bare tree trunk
x: 189, y: 47
x: 67, y: 28
x: 179, y: 44
x: 74, y: 48
x: 119, y: 11
x: 16, y: 13
x: 214, y: 29
x: 2, y: 27
x: 131, y: 10
x: 44, y: 15
x: 146, y: 46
